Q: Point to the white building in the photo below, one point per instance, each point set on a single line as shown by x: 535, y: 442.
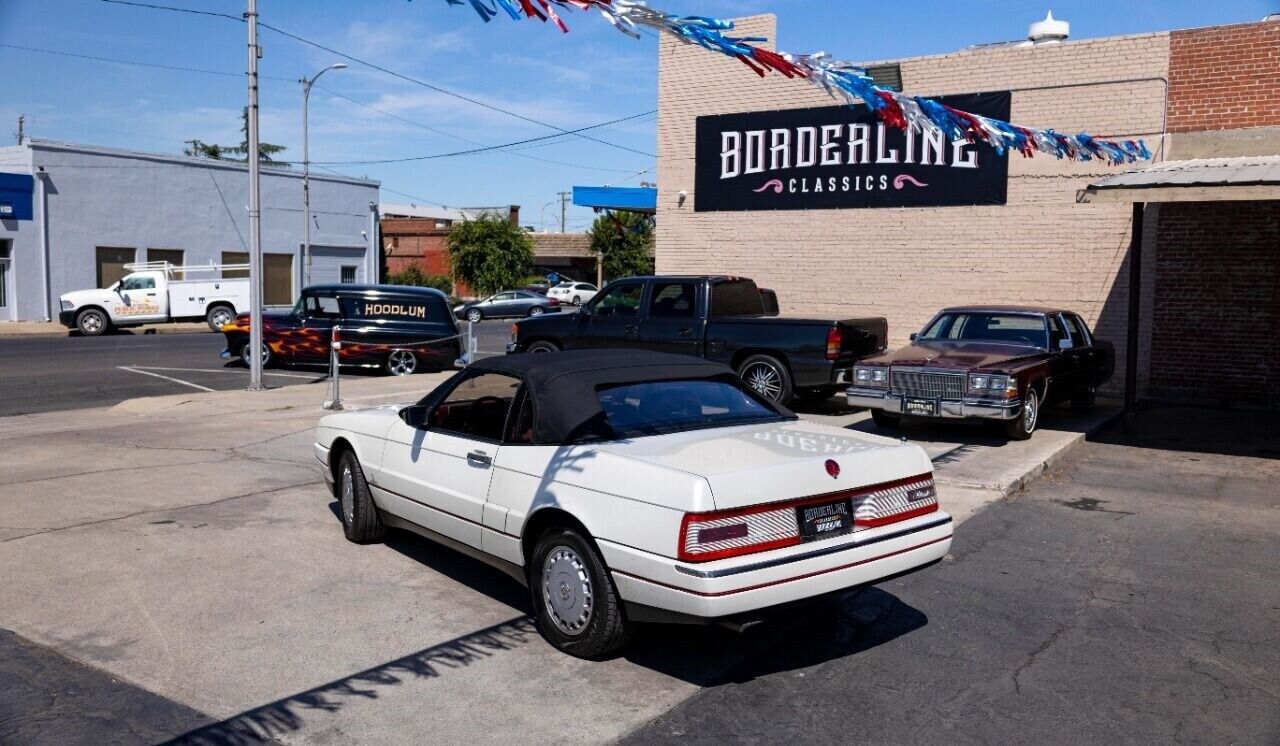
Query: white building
x: 71, y: 217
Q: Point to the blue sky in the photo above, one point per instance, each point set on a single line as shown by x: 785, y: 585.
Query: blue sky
x: 590, y: 75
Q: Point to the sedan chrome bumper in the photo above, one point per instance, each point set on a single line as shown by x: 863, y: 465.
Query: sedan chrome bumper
x: 964, y: 409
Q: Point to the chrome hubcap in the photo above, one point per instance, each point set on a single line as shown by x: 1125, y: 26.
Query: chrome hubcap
x: 473, y: 316
x: 348, y: 496
x: 92, y: 322
x: 221, y: 318
x: 245, y: 355
x: 535, y: 311
x: 566, y: 589
x: 1031, y: 410
x: 764, y: 379
x: 402, y: 363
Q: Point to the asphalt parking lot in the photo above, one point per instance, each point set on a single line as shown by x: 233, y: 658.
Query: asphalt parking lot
x: 61, y: 372
x: 175, y: 582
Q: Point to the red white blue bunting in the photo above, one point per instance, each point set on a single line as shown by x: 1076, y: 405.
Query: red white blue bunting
x: 842, y: 80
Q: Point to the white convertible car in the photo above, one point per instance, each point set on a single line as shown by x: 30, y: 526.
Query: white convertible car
x: 627, y: 487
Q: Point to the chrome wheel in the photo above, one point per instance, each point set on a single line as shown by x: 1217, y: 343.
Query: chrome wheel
x: 220, y: 317
x: 1031, y: 410
x: 247, y: 359
x: 474, y: 316
x: 92, y: 322
x: 402, y: 363
x: 567, y: 591
x: 348, y: 498
x: 535, y: 311
x: 765, y: 379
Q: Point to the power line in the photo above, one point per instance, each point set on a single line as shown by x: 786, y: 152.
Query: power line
x: 136, y: 63
x: 379, y: 68
x: 484, y: 149
x: 431, y: 129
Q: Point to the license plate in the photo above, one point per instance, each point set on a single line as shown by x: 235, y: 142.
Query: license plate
x: 825, y: 519
x: 922, y: 407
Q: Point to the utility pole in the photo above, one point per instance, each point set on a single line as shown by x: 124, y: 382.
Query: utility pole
x: 564, y: 203
x: 22, y: 121
x: 255, y: 208
x: 306, y: 170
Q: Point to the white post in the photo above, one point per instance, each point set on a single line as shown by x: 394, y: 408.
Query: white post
x: 334, y: 402
x: 255, y: 208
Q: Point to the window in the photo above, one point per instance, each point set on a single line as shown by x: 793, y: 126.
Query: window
x: 522, y: 428
x: 672, y: 300
x: 653, y: 408
x: 318, y: 306
x: 886, y: 76
x: 176, y: 257
x: 621, y: 300
x: 1079, y: 332
x: 1058, y: 332
x: 5, y: 249
x: 736, y: 298
x: 111, y: 261
x: 1025, y: 329
x: 277, y: 275
x: 138, y: 282
x: 348, y: 276
x: 477, y: 408
x: 503, y: 296
x: 585, y: 286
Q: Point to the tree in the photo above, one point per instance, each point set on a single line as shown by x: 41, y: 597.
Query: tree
x: 489, y: 253
x: 229, y: 153
x: 625, y: 241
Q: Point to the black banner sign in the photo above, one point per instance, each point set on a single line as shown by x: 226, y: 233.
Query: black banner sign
x: 841, y: 157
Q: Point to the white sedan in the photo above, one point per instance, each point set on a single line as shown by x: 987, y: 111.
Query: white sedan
x: 627, y: 487
x: 574, y: 293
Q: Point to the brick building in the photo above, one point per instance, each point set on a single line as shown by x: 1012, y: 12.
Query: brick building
x: 1208, y: 282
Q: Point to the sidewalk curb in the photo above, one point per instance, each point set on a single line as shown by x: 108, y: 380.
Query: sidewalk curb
x: 57, y: 331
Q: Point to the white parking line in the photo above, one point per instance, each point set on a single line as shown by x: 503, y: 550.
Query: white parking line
x: 219, y: 370
x: 167, y: 378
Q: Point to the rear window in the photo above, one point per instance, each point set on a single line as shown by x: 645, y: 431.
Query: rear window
x: 737, y: 298
x: 395, y: 309
x: 652, y: 408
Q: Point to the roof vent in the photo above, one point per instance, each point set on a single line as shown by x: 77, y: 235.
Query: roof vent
x: 1049, y: 31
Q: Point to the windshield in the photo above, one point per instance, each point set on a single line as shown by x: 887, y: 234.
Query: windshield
x: 637, y: 409
x: 985, y: 326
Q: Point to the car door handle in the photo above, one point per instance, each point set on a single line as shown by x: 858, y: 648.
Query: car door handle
x: 630, y: 330
x: 151, y: 295
x: 479, y: 458
x: 686, y: 332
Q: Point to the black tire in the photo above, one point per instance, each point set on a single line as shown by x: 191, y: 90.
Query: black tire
x: 475, y: 315
x: 93, y: 322
x: 577, y: 300
x: 1022, y: 426
x: 768, y: 376
x: 243, y: 354
x: 1083, y: 401
x: 542, y: 346
x: 884, y: 420
x: 360, y: 520
x: 576, y: 607
x: 219, y: 316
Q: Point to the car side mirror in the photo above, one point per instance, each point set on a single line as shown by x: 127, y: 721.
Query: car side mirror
x: 914, y: 335
x: 1065, y: 344
x: 416, y: 416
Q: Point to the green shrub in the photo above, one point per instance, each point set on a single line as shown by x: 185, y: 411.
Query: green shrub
x: 413, y: 276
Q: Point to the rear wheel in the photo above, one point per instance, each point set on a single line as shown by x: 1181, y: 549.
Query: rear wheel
x: 360, y: 520
x: 402, y: 363
x: 1022, y: 426
x: 575, y: 604
x: 536, y: 311
x: 219, y: 316
x: 884, y: 420
x: 93, y: 322
x: 768, y: 376
x: 475, y: 315
x: 577, y: 300
x: 541, y: 347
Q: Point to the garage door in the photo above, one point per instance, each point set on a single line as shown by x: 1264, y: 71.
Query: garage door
x: 331, y: 265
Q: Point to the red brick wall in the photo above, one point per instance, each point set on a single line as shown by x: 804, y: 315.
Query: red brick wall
x: 1216, y: 307
x: 1224, y: 77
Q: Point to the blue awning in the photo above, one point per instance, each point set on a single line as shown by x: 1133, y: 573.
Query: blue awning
x: 629, y: 199
x: 15, y: 196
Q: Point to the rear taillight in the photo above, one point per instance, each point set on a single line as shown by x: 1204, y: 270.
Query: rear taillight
x: 835, y: 338
x: 711, y: 536
x: 515, y: 332
x: 554, y: 302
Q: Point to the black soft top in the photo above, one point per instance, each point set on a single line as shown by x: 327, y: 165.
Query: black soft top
x: 374, y: 291
x: 564, y: 384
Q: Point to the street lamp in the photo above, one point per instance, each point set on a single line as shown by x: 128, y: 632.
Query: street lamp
x: 306, y: 170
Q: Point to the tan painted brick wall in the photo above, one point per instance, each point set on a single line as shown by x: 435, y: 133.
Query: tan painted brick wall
x: 1040, y: 248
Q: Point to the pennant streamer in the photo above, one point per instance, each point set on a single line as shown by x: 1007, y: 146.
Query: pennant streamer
x: 841, y: 80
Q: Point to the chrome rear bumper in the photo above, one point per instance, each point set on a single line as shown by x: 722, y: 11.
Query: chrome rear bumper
x: 947, y: 409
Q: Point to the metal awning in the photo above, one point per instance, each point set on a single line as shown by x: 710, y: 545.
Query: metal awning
x: 627, y: 199
x: 1196, y: 180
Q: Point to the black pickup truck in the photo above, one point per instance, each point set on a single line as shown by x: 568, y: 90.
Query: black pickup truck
x: 725, y: 319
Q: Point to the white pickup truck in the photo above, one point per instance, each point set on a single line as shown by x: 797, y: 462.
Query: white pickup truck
x: 158, y: 292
